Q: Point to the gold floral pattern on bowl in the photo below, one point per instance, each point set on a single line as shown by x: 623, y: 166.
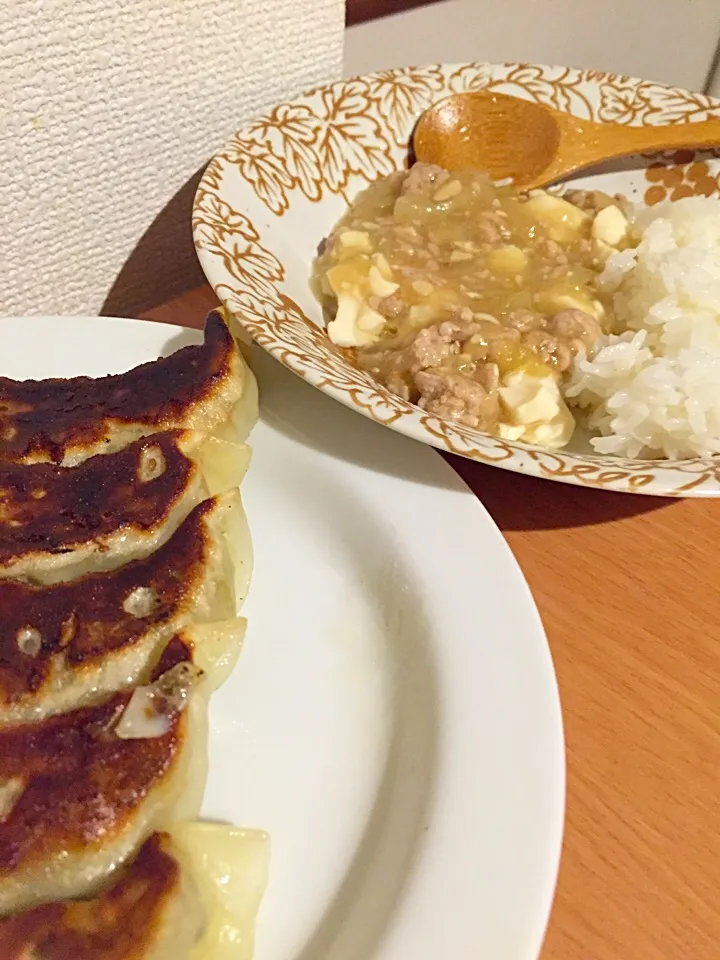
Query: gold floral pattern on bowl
x: 266, y: 201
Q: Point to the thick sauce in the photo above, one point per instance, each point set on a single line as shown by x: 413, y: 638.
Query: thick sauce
x: 446, y: 286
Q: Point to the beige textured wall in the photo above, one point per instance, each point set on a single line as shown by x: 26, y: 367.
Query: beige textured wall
x: 667, y: 40
x: 107, y: 113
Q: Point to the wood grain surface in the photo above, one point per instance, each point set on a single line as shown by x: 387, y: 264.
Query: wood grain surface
x: 626, y: 587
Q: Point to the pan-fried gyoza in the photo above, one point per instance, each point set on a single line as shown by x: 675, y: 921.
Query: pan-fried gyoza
x: 124, y: 556
x: 207, y: 387
x: 82, y: 790
x: 64, y: 644
x: 192, y: 891
x: 56, y: 522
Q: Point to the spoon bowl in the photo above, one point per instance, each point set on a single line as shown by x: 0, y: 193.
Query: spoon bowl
x: 535, y: 145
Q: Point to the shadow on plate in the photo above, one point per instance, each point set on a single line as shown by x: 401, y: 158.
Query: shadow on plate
x: 304, y: 414
x: 519, y: 502
x: 307, y: 415
x: 369, y: 894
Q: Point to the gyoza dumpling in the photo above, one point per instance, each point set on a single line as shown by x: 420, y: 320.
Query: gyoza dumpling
x: 67, y: 644
x: 80, y: 792
x: 208, y: 387
x: 191, y: 893
x: 56, y: 521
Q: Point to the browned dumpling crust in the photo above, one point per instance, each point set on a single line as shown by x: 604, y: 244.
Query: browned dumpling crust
x: 47, y: 509
x: 121, y: 923
x: 63, y: 421
x: 78, y: 798
x: 63, y: 642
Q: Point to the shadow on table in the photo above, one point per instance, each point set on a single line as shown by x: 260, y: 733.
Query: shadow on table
x: 518, y: 502
x: 164, y: 264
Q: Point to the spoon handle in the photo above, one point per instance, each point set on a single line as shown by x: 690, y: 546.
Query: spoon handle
x: 614, y: 140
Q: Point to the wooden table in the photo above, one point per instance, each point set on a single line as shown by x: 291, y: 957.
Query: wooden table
x: 626, y: 587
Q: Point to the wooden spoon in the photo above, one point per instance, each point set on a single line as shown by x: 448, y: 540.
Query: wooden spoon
x: 534, y: 144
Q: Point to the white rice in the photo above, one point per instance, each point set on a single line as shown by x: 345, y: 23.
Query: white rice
x: 654, y: 389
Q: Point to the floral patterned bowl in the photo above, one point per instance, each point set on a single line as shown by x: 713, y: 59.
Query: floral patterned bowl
x: 275, y: 191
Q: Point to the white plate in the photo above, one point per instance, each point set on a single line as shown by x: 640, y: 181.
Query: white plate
x: 393, y: 721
